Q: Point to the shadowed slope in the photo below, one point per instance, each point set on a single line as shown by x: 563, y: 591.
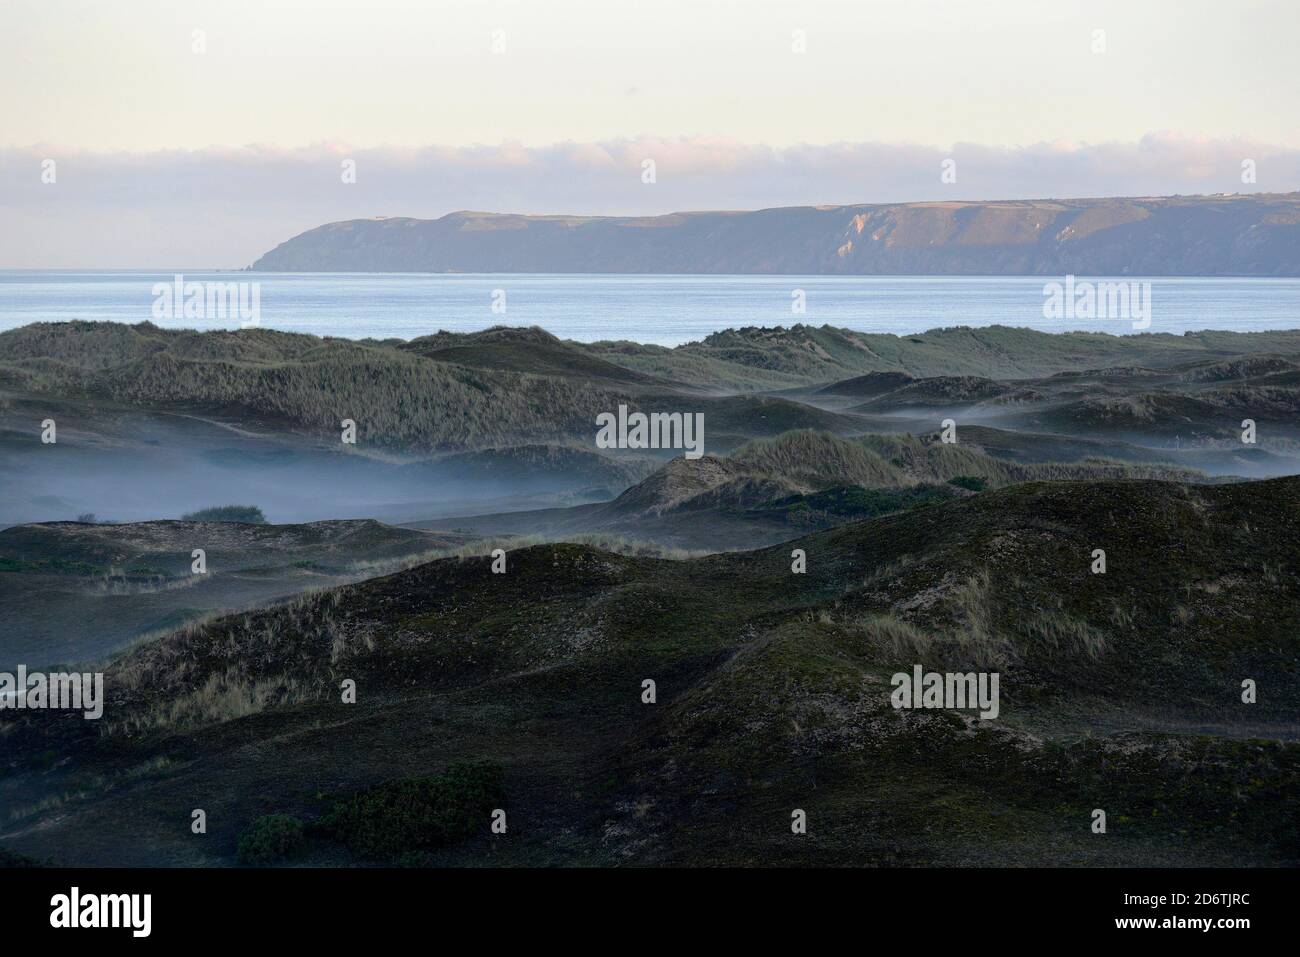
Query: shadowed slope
x: 772, y: 694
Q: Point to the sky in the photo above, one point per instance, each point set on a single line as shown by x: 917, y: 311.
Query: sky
x: 188, y: 133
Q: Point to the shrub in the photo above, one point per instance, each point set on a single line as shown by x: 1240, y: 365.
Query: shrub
x: 248, y: 514
x: 13, y: 859
x: 270, y: 839
x: 395, y: 819
x: 970, y: 482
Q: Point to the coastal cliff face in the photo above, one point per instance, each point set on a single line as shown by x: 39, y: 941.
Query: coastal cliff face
x: 1228, y: 235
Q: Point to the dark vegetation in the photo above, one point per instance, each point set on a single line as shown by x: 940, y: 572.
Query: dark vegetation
x: 271, y: 839
x: 10, y: 859
x: 397, y: 820
x: 248, y: 514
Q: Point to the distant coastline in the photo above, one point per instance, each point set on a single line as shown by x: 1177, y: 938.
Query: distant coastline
x: 650, y: 310
x: 1218, y: 235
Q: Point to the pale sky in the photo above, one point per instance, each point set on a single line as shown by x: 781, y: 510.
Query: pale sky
x: 122, y: 75
x: 1180, y: 92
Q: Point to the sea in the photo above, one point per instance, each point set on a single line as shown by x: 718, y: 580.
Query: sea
x: 661, y: 310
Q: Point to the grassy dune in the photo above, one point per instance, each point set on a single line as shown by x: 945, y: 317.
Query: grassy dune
x: 1120, y: 689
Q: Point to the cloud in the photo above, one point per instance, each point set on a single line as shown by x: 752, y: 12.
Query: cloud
x: 223, y: 207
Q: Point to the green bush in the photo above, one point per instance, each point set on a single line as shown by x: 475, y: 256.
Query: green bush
x: 971, y: 482
x: 13, y: 859
x: 270, y: 839
x: 395, y: 819
x: 248, y: 514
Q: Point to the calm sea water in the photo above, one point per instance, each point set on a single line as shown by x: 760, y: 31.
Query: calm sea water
x: 667, y: 310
